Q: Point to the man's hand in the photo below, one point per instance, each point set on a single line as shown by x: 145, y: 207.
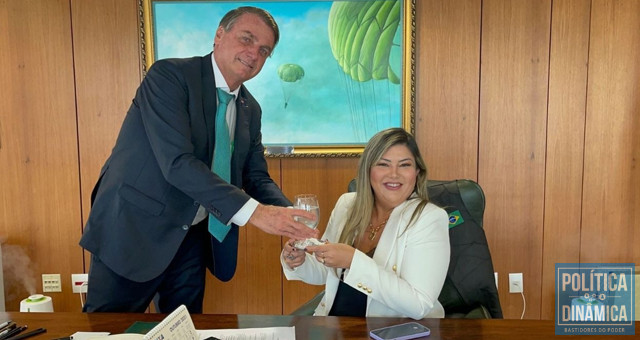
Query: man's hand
x: 279, y: 221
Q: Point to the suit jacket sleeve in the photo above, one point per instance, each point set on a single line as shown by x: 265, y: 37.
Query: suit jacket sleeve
x: 312, y: 271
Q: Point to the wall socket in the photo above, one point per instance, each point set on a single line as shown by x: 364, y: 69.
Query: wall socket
x: 79, y: 283
x: 51, y: 283
x: 515, y: 283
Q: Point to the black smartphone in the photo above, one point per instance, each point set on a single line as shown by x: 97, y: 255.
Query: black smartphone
x: 405, y: 331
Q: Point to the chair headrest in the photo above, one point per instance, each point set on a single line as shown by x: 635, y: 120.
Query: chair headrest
x: 470, y: 193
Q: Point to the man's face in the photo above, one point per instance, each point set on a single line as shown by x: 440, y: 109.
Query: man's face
x: 241, y: 52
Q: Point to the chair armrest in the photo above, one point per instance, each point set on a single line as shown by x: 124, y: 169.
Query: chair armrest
x: 310, y: 306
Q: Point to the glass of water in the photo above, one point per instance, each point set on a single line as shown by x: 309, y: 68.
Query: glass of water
x: 308, y: 202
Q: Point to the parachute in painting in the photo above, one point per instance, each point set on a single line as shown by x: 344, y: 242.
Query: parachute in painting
x: 289, y: 74
x: 365, y: 39
x: 361, y: 34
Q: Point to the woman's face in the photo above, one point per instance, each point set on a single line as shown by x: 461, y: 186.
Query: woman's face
x: 393, y: 177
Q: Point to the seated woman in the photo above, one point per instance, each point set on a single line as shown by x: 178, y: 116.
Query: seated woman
x: 387, y: 247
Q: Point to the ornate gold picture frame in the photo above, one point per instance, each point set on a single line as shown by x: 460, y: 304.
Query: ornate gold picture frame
x: 342, y: 70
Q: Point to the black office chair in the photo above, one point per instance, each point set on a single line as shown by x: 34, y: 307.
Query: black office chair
x: 469, y: 290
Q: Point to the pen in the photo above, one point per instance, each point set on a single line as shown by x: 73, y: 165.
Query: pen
x: 28, y: 334
x: 7, y: 329
x: 5, y: 324
x: 13, y: 332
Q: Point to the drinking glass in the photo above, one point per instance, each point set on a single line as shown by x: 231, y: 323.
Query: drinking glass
x: 307, y: 202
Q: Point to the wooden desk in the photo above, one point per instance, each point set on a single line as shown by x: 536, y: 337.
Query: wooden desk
x: 307, y: 327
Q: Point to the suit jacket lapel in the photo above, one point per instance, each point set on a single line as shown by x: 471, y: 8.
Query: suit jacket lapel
x: 241, y: 135
x: 390, y: 237
x: 209, y: 101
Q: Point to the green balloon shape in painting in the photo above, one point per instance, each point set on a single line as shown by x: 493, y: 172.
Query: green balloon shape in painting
x: 289, y: 73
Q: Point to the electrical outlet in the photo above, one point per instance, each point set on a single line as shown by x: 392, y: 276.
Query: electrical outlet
x: 79, y: 283
x: 515, y: 283
x: 51, y: 283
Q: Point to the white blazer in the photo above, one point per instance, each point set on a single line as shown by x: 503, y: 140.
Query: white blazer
x: 406, y: 273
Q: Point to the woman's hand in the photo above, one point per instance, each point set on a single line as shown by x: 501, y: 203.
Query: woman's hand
x: 335, y: 255
x: 292, y: 256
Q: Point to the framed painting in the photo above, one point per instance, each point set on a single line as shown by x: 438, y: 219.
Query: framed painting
x: 342, y: 70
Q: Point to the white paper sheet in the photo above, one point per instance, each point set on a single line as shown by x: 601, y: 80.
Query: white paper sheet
x: 266, y: 333
x: 88, y: 335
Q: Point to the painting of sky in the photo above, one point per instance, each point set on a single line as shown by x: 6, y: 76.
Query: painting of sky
x: 325, y: 106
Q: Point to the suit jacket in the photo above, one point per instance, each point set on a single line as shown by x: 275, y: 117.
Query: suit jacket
x: 159, y: 173
x: 406, y: 273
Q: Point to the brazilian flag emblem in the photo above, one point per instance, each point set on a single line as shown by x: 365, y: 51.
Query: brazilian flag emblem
x: 455, y: 219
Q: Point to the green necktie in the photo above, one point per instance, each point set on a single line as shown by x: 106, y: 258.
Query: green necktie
x: 221, y: 158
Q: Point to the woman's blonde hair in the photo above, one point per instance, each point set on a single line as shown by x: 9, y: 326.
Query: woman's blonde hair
x: 359, y: 216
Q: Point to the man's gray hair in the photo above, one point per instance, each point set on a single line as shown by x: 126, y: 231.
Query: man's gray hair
x: 230, y: 18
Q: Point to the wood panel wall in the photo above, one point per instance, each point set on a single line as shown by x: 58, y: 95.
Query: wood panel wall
x: 537, y: 100
x: 39, y: 180
x: 513, y: 109
x: 611, y: 198
x: 565, y: 141
x: 448, y: 86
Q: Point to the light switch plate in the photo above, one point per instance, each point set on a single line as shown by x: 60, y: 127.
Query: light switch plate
x: 515, y: 283
x: 79, y: 283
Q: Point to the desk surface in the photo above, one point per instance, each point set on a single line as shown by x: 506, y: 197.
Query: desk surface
x: 307, y: 327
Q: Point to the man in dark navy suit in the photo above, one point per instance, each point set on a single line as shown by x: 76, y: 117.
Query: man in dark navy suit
x: 148, y: 226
